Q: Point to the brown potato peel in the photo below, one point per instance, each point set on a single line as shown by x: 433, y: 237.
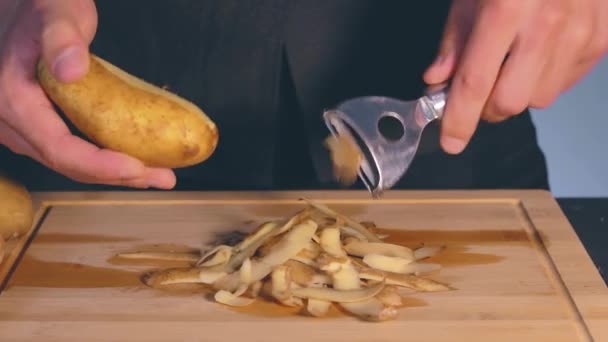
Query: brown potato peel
x: 346, y: 158
x: 309, y: 260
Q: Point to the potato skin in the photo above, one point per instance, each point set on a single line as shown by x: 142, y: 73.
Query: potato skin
x: 123, y: 113
x: 16, y: 209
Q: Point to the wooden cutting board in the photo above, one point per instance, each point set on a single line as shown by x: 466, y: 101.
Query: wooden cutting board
x: 519, y: 271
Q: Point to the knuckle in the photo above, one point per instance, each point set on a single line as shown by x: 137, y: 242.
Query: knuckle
x: 599, y: 47
x: 543, y: 101
x: 50, y: 157
x: 494, y: 118
x: 581, y: 34
x: 502, y: 8
x: 505, y: 106
x: 553, y: 16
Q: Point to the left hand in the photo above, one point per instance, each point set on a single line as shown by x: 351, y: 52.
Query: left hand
x: 504, y: 56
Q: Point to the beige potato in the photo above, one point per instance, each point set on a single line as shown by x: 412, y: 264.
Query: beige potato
x: 121, y: 112
x: 16, y: 209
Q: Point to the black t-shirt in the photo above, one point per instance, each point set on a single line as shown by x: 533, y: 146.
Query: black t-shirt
x: 264, y: 71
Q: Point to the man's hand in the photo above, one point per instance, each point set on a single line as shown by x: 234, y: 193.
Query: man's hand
x: 59, y: 31
x: 504, y: 56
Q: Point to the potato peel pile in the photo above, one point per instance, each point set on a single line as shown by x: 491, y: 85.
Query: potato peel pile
x: 313, y: 260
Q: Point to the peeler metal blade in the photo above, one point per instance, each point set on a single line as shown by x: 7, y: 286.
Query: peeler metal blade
x: 387, y: 132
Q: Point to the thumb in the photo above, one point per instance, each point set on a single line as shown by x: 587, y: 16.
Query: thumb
x: 458, y: 26
x: 68, y: 27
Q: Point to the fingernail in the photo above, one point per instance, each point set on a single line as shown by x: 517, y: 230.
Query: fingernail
x: 453, y: 145
x: 67, y: 66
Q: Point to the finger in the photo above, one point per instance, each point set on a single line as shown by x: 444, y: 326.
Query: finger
x: 521, y: 73
x: 553, y: 79
x: 70, y: 154
x: 87, y: 163
x: 457, y: 28
x: 68, y: 27
x: 139, y: 183
x: 494, y: 31
x: 15, y: 142
x: 152, y: 178
x: 599, y: 48
x: 596, y: 48
x: 575, y: 38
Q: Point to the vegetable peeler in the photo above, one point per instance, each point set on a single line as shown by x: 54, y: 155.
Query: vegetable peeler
x: 387, y: 132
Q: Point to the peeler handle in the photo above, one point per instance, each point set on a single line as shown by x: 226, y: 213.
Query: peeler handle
x: 435, y: 100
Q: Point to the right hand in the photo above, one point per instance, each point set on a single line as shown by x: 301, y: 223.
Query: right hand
x: 59, y: 32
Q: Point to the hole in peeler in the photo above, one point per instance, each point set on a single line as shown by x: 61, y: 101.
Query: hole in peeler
x: 390, y: 127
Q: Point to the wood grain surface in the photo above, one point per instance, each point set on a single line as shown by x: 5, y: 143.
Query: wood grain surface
x: 519, y: 271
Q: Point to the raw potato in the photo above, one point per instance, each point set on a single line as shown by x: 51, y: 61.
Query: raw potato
x: 16, y: 209
x: 123, y: 113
